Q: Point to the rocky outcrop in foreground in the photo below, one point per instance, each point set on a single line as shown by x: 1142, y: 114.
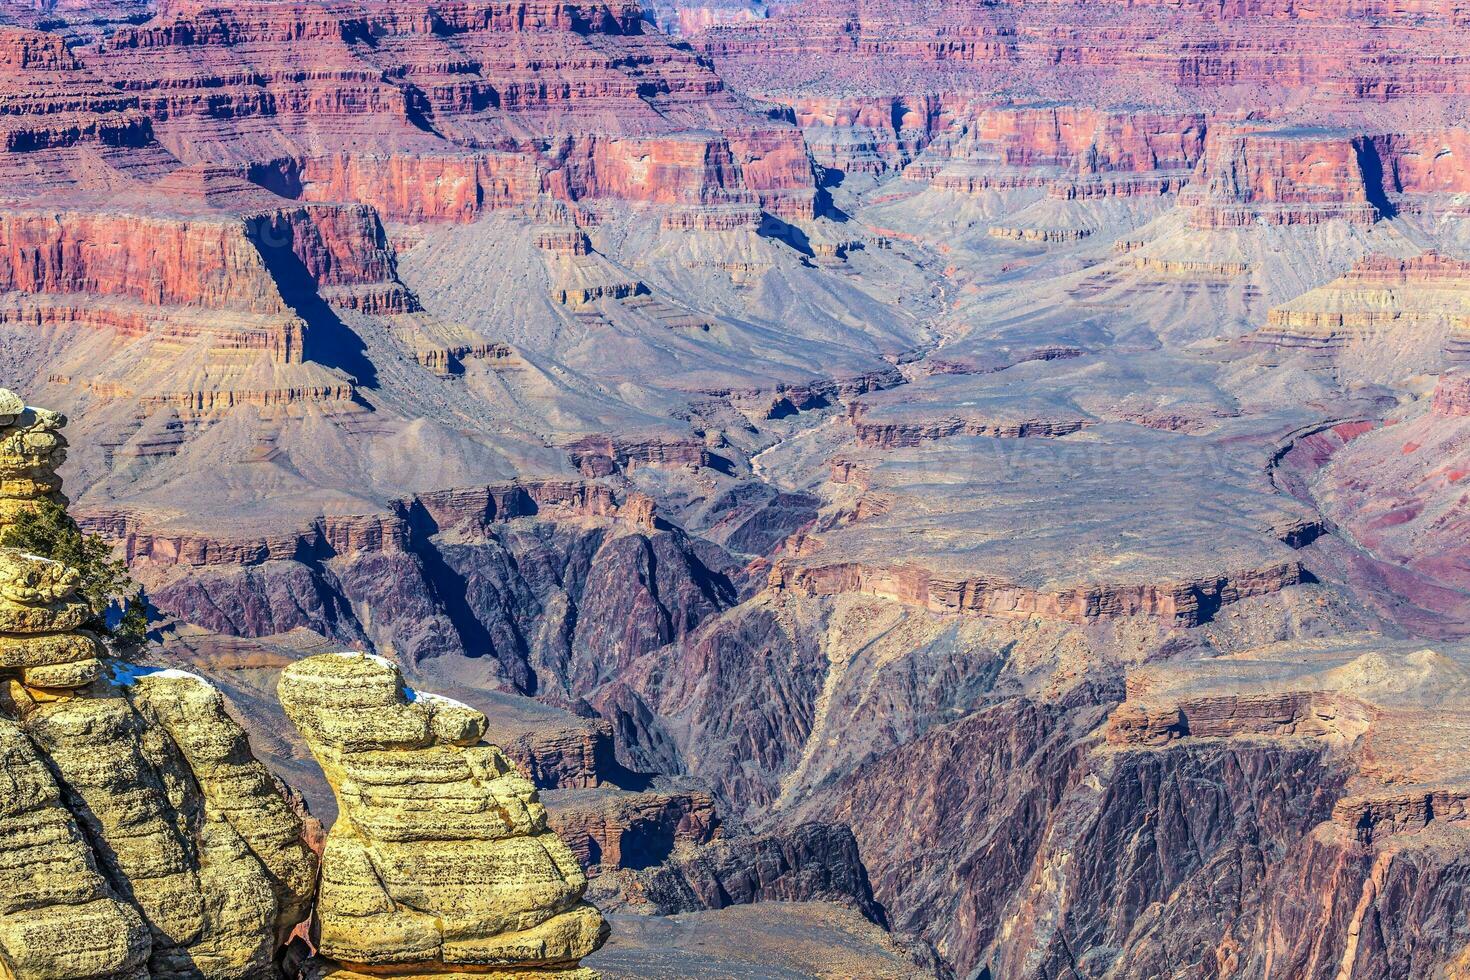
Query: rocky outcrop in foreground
x: 440, y: 860
x: 140, y: 838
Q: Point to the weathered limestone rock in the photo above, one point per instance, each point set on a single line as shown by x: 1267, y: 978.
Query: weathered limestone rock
x: 31, y: 448
x: 440, y: 861
x: 187, y: 825
x: 11, y: 405
x: 41, y: 609
x: 59, y: 917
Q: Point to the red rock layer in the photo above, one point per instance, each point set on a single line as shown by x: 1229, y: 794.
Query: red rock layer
x: 947, y: 32
x: 1325, y: 62
x: 61, y: 127
x: 895, y: 435
x: 616, y: 829
x: 1073, y: 151
x: 196, y: 247
x: 1429, y: 161
x: 866, y: 134
x: 438, y: 112
x: 154, y: 260
x: 1284, y: 177
x: 1090, y: 139
x: 598, y: 456
x: 1428, y: 267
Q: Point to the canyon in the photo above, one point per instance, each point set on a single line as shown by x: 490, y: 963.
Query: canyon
x: 876, y: 489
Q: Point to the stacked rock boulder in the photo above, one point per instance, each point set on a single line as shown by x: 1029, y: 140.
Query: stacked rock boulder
x: 31, y: 448
x: 440, y: 862
x: 41, y: 611
x: 41, y: 615
x: 139, y: 838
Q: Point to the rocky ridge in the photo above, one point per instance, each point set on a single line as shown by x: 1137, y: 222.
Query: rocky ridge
x: 144, y: 838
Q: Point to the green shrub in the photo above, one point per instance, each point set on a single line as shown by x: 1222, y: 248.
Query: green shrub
x: 50, y: 532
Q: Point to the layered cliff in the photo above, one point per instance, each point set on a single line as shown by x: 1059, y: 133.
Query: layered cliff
x: 1315, y: 738
x: 201, y: 290
x: 1387, y: 318
x: 457, y: 96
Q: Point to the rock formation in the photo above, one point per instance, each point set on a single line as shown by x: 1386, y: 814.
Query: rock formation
x: 440, y: 860
x: 1387, y: 318
x: 188, y: 829
x: 142, y: 838
x: 31, y: 448
x: 41, y: 611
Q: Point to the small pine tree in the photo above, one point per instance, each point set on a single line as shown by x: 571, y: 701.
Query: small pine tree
x: 50, y: 532
x: 132, y: 630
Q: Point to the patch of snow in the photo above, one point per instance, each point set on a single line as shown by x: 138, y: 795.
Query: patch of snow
x: 448, y: 702
x: 175, y: 673
x: 375, y: 658
x: 39, y: 558
x: 125, y: 674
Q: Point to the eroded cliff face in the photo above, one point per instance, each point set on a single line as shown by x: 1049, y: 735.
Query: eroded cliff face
x: 182, y: 835
x: 549, y: 606
x: 1049, y: 804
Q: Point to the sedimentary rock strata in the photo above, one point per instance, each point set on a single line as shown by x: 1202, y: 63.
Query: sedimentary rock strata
x: 31, y: 449
x: 189, y: 828
x: 41, y: 612
x: 148, y: 833
x: 866, y: 453
x: 70, y: 921
x: 957, y: 553
x: 463, y: 876
x: 1387, y: 314
x: 1340, y: 709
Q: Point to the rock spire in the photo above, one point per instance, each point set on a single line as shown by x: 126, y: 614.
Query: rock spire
x: 440, y: 862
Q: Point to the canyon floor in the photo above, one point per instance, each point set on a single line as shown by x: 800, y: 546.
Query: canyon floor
x: 922, y: 489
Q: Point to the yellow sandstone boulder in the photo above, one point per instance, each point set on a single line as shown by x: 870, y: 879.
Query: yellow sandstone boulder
x: 189, y: 827
x: 440, y: 862
x: 31, y: 448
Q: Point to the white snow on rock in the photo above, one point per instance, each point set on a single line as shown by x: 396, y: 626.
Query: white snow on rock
x: 125, y: 674
x: 437, y: 699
